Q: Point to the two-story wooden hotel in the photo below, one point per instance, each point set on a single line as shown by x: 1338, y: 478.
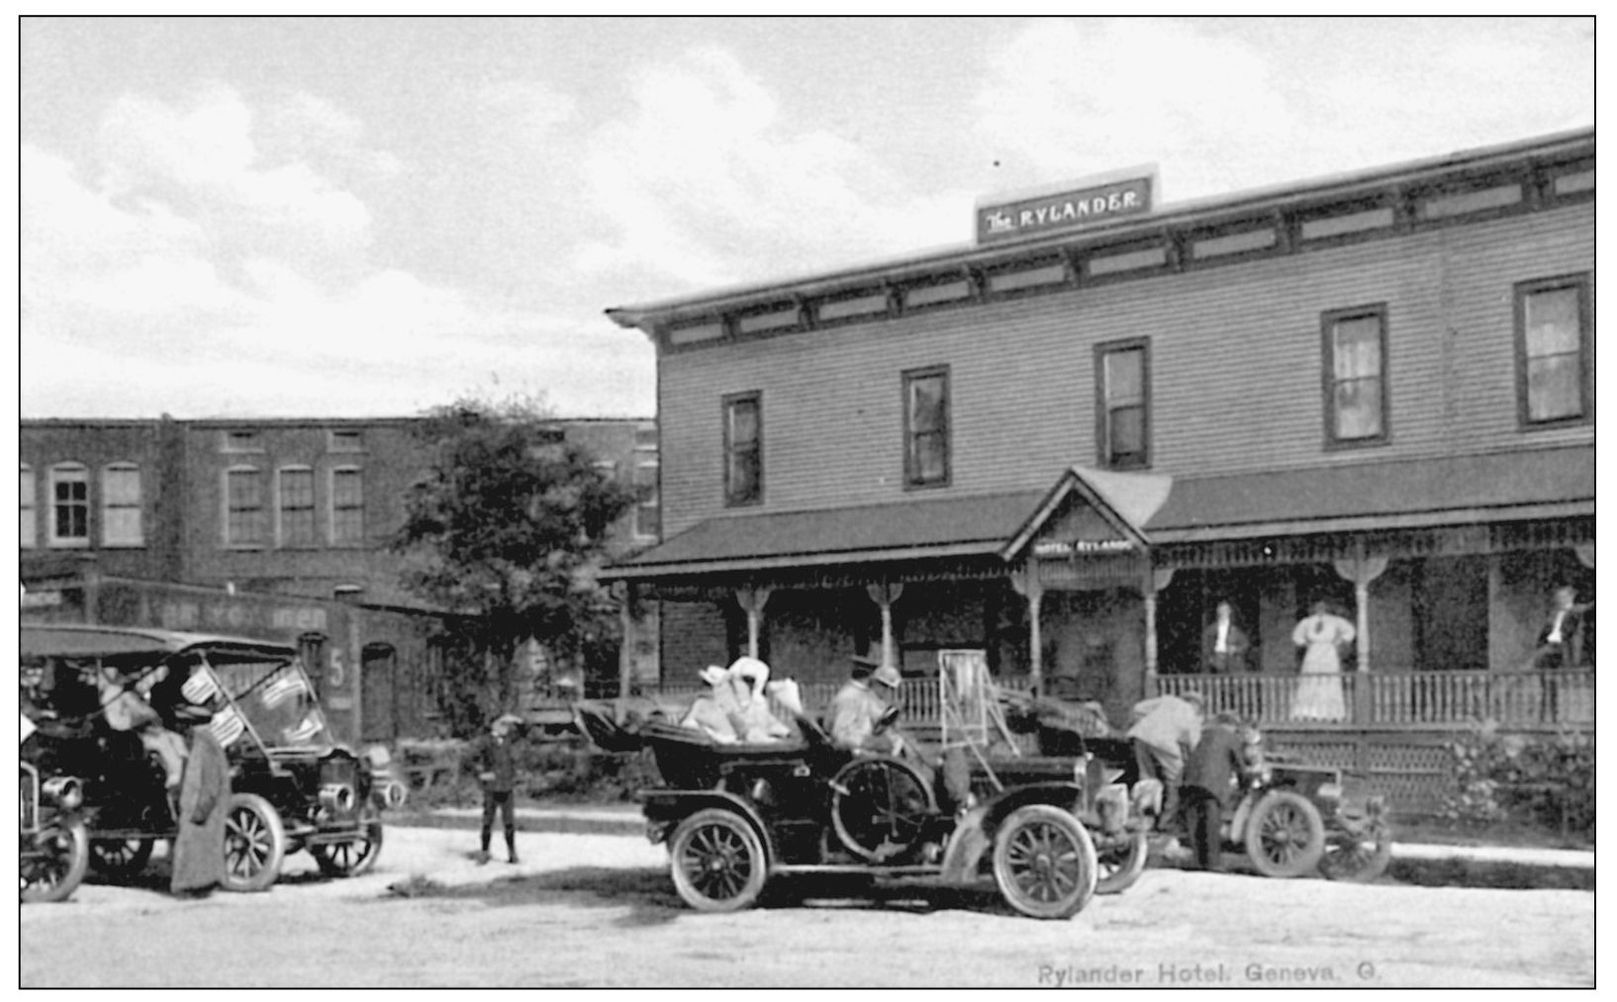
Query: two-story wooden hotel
x: 1066, y: 443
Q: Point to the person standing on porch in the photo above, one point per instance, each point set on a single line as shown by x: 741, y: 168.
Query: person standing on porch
x: 1225, y: 647
x: 1560, y: 644
x: 1322, y: 635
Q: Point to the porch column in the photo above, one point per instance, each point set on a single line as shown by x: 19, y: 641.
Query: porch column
x: 752, y: 602
x: 1361, y: 570
x: 884, y: 594
x: 1027, y: 583
x: 624, y: 592
x: 1156, y: 579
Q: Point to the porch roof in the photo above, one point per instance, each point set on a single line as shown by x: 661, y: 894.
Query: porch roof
x: 1414, y: 493
x: 1148, y: 508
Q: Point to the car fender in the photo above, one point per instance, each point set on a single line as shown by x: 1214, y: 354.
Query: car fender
x: 664, y: 809
x: 973, y: 836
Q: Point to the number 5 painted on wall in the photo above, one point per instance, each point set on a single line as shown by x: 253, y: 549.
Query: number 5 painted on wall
x: 335, y: 673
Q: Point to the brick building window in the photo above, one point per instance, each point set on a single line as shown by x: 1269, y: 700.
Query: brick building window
x: 743, y: 449
x: 648, y: 510
x: 1552, y: 350
x: 70, y: 505
x: 926, y: 427
x: 244, y: 506
x: 295, y: 507
x: 1123, y: 404
x: 28, y: 525
x: 121, y: 506
x: 1355, y: 375
x: 347, y: 506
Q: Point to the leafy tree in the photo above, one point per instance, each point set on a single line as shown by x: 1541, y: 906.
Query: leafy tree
x: 507, y: 527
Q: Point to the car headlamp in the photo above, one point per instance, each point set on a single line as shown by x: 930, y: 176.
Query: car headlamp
x: 65, y: 791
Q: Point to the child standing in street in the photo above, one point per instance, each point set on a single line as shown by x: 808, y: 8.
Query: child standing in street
x: 494, y: 757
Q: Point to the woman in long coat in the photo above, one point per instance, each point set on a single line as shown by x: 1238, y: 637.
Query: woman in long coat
x: 199, y: 848
x: 1319, y: 692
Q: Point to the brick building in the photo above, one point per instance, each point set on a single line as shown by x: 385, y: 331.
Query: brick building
x: 274, y: 528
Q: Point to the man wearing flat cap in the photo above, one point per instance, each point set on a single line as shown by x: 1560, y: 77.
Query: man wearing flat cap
x: 857, y: 707
x: 494, y: 758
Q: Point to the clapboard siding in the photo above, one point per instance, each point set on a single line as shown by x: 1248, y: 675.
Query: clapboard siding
x: 1235, y: 371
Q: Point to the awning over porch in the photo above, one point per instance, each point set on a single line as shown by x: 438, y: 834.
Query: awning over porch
x: 1100, y: 513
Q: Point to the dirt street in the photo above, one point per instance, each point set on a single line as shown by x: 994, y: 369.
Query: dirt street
x: 598, y: 909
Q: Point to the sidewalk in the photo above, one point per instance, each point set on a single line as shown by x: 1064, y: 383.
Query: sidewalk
x: 628, y: 815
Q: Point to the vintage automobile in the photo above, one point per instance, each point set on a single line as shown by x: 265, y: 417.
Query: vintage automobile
x: 736, y: 816
x: 52, y: 845
x: 292, y: 787
x: 1292, y: 819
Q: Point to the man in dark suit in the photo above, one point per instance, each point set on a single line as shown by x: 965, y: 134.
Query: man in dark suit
x: 1210, y: 782
x: 1225, y: 647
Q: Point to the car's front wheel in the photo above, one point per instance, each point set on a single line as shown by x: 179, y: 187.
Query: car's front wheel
x: 1121, y: 864
x: 717, y: 861
x: 56, y: 862
x: 255, y: 843
x: 353, y: 857
x: 1359, y: 855
x: 1285, y: 837
x: 1044, y: 862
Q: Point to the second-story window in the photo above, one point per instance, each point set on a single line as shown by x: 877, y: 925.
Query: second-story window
x: 743, y: 449
x: 244, y: 507
x: 295, y: 508
x: 1123, y: 404
x: 648, y: 510
x: 347, y: 506
x: 1355, y: 370
x: 926, y: 427
x: 70, y: 505
x: 27, y: 527
x: 120, y: 506
x: 1552, y: 350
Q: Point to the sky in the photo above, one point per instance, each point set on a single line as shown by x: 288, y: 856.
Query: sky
x: 369, y: 217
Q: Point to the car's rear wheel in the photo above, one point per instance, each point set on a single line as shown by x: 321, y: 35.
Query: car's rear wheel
x: 1044, y: 862
x: 354, y: 857
x: 1121, y: 864
x: 120, y: 858
x: 1358, y: 856
x: 57, y: 864
x: 1285, y: 837
x: 717, y: 861
x: 255, y: 843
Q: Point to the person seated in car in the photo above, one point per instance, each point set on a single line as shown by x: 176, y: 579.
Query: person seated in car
x: 125, y: 710
x: 857, y: 707
x: 757, y: 725
x: 717, y: 713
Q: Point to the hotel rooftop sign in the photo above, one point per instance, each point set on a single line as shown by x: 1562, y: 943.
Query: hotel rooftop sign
x: 1101, y: 202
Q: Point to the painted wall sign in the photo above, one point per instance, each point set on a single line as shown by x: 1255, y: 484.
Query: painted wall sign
x: 1055, y: 548
x: 1067, y: 210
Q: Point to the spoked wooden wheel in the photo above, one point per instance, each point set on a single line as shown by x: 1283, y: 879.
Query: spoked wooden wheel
x: 120, y: 857
x: 1285, y: 837
x: 1359, y: 856
x: 55, y: 864
x: 255, y: 843
x: 1121, y: 865
x: 717, y: 861
x: 879, y: 808
x: 351, y: 858
x: 1044, y: 862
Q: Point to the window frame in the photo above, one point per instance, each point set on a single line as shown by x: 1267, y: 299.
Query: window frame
x: 108, y: 507
x: 1579, y: 281
x: 728, y: 403
x: 912, y: 475
x: 333, y: 508
x: 649, y: 497
x: 282, y: 536
x: 1328, y: 381
x: 68, y: 472
x: 1103, y: 410
x: 28, y: 507
x: 228, y: 508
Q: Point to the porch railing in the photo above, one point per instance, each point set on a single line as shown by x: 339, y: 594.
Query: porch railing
x: 1398, y: 699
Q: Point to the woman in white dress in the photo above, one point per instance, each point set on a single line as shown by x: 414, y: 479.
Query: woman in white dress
x: 1319, y: 692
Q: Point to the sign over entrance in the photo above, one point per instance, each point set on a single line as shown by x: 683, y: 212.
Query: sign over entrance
x: 1079, y: 207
